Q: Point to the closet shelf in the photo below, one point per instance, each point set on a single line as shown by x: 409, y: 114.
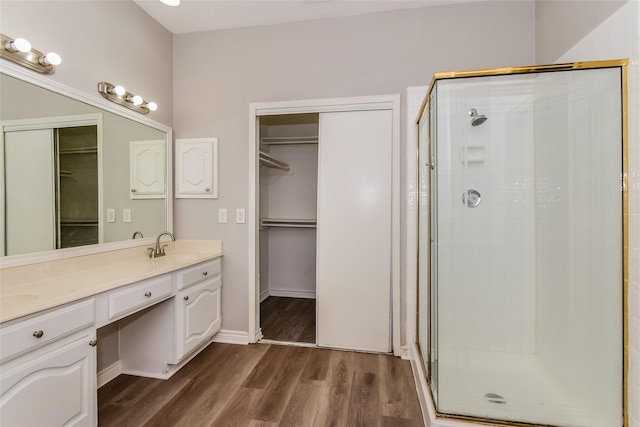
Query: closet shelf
x: 82, y: 150
x: 282, y: 140
x: 272, y: 162
x: 294, y: 223
x: 79, y: 222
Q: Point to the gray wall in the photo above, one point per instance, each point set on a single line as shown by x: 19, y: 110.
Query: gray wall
x: 217, y: 74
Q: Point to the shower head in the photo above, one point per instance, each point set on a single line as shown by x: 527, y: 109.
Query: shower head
x: 476, y: 119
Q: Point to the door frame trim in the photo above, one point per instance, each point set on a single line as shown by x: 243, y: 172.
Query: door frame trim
x: 381, y: 102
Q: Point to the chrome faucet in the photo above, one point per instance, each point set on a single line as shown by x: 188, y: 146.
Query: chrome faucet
x: 159, y: 251
x: 136, y: 234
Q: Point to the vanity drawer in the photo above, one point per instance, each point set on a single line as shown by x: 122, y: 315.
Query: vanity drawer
x: 37, y: 331
x: 198, y: 273
x: 137, y: 297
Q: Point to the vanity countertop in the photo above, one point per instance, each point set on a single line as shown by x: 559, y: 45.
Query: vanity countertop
x: 32, y: 288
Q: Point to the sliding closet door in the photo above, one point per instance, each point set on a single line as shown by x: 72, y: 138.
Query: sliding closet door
x: 354, y: 230
x: 29, y: 191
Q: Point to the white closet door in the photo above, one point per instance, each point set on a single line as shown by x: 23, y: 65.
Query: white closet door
x: 30, y: 191
x: 354, y: 230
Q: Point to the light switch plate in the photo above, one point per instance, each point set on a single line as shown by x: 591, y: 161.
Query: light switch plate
x: 222, y: 216
x: 240, y: 216
x: 111, y: 215
x: 126, y: 215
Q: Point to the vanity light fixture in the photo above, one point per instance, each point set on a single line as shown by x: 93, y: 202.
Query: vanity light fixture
x: 171, y: 2
x: 119, y: 95
x: 20, y: 52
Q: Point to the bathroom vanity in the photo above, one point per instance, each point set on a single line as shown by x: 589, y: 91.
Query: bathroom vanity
x: 168, y: 309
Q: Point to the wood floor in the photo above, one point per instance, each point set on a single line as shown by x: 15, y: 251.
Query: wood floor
x: 268, y: 385
x: 288, y: 319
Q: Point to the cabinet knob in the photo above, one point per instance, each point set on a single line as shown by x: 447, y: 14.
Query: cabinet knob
x: 93, y: 343
x: 207, y: 190
x: 133, y: 190
x: 38, y: 334
x: 147, y: 294
x: 186, y: 298
x: 204, y: 273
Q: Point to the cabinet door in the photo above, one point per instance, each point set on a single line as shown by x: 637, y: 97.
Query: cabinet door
x: 198, y: 314
x: 55, y: 388
x: 196, y: 168
x: 147, y: 169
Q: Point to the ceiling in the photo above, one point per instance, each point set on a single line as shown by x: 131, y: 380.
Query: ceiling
x: 206, y: 15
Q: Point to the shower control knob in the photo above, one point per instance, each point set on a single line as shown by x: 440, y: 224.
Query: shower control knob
x: 471, y: 198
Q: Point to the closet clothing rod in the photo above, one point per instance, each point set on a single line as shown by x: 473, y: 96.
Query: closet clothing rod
x: 267, y: 160
x: 281, y: 140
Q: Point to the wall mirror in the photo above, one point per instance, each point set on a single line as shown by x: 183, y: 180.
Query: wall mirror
x: 65, y: 160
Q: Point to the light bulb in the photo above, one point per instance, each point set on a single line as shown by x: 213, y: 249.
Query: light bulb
x: 18, y: 45
x: 118, y: 90
x: 152, y: 106
x: 51, y: 58
x: 171, y: 2
x: 137, y: 100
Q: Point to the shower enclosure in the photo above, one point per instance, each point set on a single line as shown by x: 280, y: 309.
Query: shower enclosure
x: 522, y: 264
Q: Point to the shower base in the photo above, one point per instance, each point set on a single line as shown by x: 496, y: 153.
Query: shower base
x: 510, y: 387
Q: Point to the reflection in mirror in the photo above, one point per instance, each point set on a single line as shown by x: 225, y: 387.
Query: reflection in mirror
x: 64, y: 165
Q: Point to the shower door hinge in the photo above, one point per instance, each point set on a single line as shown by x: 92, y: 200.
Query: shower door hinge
x: 624, y: 182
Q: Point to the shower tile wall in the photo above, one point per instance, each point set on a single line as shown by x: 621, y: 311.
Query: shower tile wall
x: 612, y: 40
x: 486, y: 253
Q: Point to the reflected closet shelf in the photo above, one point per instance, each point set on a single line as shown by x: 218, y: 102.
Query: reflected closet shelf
x: 295, y: 223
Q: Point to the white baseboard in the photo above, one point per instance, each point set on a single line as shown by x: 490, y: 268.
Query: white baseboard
x: 109, y: 373
x: 264, y: 295
x: 405, y: 353
x: 231, y: 337
x: 291, y: 293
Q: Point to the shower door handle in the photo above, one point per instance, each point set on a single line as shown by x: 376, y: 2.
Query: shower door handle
x: 432, y: 163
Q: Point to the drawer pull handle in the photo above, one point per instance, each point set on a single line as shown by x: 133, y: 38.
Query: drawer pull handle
x: 186, y: 298
x: 147, y: 294
x: 93, y: 343
x: 38, y: 334
x: 204, y: 273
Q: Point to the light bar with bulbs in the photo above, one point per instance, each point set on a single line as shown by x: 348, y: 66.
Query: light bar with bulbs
x: 119, y: 95
x: 20, y: 52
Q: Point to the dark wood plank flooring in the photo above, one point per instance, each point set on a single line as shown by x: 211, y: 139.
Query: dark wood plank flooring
x: 268, y: 385
x: 288, y: 319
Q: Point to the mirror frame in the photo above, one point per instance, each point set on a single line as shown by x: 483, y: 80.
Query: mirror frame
x: 28, y: 76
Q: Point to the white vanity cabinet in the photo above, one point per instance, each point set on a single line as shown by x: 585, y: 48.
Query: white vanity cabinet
x: 54, y: 383
x: 198, y: 314
x: 48, y: 358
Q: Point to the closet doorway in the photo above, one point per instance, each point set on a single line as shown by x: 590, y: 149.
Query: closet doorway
x: 324, y: 223
x: 288, y: 182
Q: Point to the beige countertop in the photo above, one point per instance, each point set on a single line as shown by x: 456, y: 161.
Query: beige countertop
x: 32, y: 288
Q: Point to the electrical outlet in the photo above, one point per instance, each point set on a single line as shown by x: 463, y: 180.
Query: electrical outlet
x: 240, y: 216
x: 222, y: 216
x: 111, y: 215
x: 126, y: 215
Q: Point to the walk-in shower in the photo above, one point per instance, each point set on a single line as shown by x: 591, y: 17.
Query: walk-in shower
x: 522, y: 261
